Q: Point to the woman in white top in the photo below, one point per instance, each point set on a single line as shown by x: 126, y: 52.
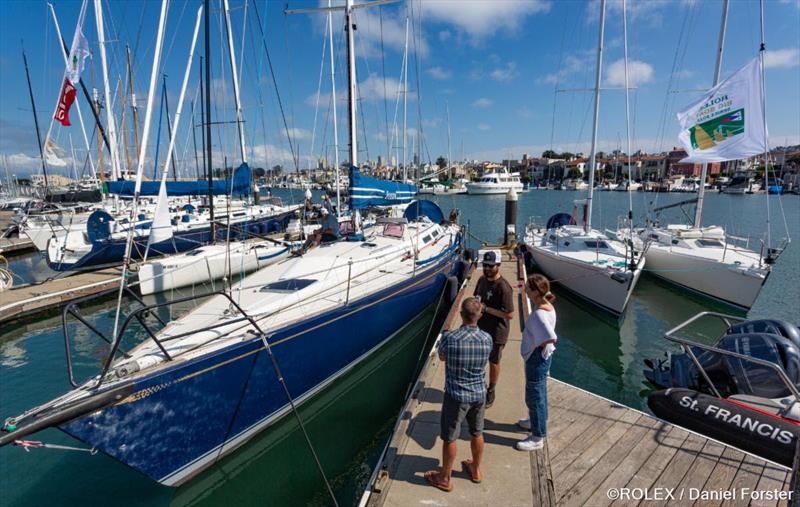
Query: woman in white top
x: 538, y: 344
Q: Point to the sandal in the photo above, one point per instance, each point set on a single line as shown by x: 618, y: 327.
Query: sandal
x: 467, y: 464
x: 432, y: 477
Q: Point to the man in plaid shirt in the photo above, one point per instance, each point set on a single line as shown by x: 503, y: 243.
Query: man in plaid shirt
x: 465, y: 353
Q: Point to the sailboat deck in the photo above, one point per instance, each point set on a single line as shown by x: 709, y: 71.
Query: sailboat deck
x: 595, y: 449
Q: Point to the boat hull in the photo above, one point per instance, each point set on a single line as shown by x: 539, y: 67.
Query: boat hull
x: 589, y: 282
x: 731, y: 285
x: 184, y: 417
x: 110, y: 252
x: 476, y: 189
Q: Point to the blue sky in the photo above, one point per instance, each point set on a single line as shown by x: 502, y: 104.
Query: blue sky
x: 495, y: 65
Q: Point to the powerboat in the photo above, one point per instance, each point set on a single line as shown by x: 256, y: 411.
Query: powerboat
x: 495, y: 183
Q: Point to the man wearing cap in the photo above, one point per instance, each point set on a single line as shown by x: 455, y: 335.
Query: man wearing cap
x: 329, y: 231
x: 498, y: 308
x: 327, y: 204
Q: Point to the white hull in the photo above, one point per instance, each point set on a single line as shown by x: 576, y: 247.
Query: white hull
x: 593, y: 283
x: 728, y: 282
x: 477, y: 189
x: 207, y: 263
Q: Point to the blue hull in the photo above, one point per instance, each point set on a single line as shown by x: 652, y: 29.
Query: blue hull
x: 182, y: 419
x: 111, y: 252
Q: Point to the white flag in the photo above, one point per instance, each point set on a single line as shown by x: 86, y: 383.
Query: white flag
x: 77, y: 56
x: 53, y: 154
x: 726, y: 123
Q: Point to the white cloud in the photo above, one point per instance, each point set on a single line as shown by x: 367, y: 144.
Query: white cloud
x: 439, y: 73
x: 482, y: 102
x: 638, y: 73
x: 481, y: 19
x: 370, y: 89
x: 646, y: 11
x: 506, y: 73
x: 483, y: 126
x: 297, y: 133
x: 573, y: 64
x: 24, y: 162
x: 782, y: 58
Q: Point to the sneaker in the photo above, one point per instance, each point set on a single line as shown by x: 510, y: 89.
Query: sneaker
x: 489, y: 397
x: 530, y: 444
x: 525, y: 424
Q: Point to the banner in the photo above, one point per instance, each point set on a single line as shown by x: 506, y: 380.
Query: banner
x: 54, y: 154
x: 65, y: 101
x: 727, y: 122
x: 77, y: 56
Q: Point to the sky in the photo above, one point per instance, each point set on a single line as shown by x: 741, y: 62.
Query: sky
x: 497, y: 79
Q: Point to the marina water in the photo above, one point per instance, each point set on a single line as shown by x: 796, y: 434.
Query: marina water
x: 350, y: 422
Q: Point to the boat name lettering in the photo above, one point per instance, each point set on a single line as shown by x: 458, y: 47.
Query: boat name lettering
x: 742, y: 422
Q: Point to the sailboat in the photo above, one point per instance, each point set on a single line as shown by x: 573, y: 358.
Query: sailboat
x: 203, y: 385
x: 707, y: 260
x: 577, y: 257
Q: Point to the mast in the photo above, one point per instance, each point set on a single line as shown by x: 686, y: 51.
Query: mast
x: 96, y: 102
x: 592, y: 154
x: 449, y: 155
x: 123, y: 97
x: 166, y: 107
x: 762, y: 51
x: 35, y: 121
x: 235, y: 75
x: 405, y: 105
x: 335, y: 122
x: 698, y: 212
x: 207, y: 121
x: 351, y: 82
x: 112, y: 136
x: 134, y: 107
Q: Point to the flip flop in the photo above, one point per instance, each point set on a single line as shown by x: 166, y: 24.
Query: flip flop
x: 467, y: 464
x: 432, y: 477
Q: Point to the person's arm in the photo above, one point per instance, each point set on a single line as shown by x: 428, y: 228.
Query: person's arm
x: 440, y: 349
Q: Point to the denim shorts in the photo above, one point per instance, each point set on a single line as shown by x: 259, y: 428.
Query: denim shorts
x: 454, y: 412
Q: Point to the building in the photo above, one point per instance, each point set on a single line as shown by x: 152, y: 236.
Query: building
x: 53, y: 180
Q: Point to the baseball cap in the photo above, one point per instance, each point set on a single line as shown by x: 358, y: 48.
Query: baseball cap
x: 491, y: 258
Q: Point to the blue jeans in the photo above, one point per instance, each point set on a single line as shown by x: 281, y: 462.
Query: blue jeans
x: 536, y: 372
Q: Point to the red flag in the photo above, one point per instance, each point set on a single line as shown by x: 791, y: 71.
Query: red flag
x: 65, y: 102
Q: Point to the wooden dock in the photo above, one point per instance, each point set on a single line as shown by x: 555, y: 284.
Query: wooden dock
x: 15, y: 246
x: 597, y: 452
x: 28, y: 299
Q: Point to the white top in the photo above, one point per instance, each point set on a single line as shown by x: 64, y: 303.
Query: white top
x: 539, y: 328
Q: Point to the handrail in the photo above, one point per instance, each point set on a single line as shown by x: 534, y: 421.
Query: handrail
x: 687, y: 346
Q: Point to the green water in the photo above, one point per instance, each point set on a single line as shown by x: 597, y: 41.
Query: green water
x: 350, y: 422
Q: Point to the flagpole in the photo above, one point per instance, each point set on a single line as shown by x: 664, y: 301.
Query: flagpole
x: 35, y: 121
x: 698, y: 212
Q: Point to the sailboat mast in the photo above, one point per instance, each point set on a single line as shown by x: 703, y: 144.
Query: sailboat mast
x: 449, y: 156
x: 112, y: 136
x: 207, y: 121
x: 35, y: 121
x: 701, y: 192
x: 762, y: 52
x: 595, y: 121
x: 235, y: 75
x: 335, y: 122
x: 134, y: 107
x: 405, y: 105
x: 351, y: 82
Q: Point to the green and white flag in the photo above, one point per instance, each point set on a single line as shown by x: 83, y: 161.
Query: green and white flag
x: 727, y: 122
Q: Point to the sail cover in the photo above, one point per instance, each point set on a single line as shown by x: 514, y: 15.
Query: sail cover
x: 239, y: 185
x: 366, y: 191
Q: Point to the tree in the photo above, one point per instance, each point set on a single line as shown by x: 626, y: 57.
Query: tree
x: 441, y: 162
x: 567, y: 155
x: 574, y: 173
x: 549, y: 154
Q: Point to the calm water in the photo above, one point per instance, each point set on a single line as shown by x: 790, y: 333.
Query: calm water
x: 350, y: 422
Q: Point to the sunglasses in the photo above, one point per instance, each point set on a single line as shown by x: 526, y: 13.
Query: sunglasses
x: 489, y: 266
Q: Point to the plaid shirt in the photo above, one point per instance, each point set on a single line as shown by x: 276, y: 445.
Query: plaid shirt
x: 466, y: 352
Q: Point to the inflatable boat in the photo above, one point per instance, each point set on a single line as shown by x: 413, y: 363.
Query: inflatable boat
x: 744, y: 390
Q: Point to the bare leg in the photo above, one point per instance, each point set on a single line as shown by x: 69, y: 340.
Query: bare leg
x: 476, y: 444
x: 448, y: 458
